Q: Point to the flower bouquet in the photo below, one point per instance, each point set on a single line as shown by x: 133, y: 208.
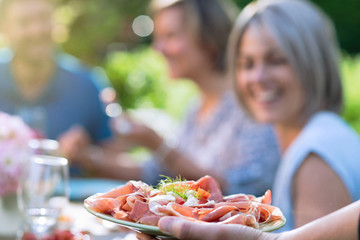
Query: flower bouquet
x: 14, y: 152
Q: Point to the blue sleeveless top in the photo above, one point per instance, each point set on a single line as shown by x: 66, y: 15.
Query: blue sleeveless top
x: 328, y: 136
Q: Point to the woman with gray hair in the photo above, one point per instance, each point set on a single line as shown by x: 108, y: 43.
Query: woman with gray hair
x: 284, y: 57
x: 284, y: 63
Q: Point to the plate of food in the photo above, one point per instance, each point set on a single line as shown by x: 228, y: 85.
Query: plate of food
x: 139, y: 206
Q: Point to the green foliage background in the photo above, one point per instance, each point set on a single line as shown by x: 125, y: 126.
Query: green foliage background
x: 96, y: 28
x: 351, y: 78
x: 140, y: 78
x: 345, y: 16
x: 99, y: 33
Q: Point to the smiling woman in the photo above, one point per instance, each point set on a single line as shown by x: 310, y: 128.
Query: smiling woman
x: 284, y: 62
x: 258, y: 63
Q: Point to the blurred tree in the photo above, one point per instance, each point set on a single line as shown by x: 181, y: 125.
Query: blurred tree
x: 92, y: 28
x: 242, y: 3
x: 100, y: 33
x: 97, y: 27
x: 346, y: 17
x: 141, y: 80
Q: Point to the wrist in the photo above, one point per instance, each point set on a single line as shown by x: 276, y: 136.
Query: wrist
x: 152, y: 141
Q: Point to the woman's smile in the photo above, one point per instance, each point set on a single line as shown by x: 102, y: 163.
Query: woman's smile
x: 266, y: 80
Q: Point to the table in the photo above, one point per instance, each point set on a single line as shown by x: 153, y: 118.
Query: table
x: 77, y: 219
x: 82, y: 220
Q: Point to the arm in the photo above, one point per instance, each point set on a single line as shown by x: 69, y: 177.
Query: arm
x: 104, y: 160
x: 317, y: 191
x: 175, y: 161
x: 341, y: 224
x: 107, y: 160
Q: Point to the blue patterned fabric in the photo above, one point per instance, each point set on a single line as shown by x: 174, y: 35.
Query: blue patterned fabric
x: 71, y: 98
x: 244, y: 152
x: 328, y: 136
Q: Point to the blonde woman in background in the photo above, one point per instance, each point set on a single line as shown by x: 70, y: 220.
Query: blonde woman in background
x: 284, y: 57
x: 217, y: 138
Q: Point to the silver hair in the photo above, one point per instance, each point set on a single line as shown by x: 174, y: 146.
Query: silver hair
x: 308, y: 39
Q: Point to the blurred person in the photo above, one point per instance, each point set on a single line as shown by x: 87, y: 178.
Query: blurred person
x: 57, y: 97
x: 283, y: 58
x: 340, y: 225
x: 217, y: 138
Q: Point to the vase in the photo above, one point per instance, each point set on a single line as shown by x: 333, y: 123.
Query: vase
x: 10, y: 216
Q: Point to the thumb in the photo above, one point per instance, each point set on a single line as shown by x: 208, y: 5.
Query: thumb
x: 190, y: 230
x: 185, y: 229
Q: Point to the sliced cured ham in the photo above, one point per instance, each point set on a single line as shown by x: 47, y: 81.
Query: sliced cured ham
x: 200, y: 200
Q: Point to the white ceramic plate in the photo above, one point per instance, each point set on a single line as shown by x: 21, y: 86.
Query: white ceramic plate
x: 155, y: 231
x: 148, y: 229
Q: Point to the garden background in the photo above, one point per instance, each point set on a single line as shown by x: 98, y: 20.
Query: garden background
x: 102, y: 33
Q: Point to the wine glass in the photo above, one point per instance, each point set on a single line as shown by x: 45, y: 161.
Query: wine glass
x: 43, y: 192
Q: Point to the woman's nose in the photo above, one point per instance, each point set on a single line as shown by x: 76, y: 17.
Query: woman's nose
x: 259, y: 73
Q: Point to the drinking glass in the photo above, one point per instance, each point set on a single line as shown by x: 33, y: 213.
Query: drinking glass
x: 43, y: 192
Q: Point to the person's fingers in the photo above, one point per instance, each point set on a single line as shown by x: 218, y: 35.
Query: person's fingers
x: 66, y: 146
x: 184, y: 229
x: 73, y: 143
x: 80, y: 136
x: 75, y: 135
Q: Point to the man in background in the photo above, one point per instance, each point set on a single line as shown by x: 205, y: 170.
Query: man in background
x: 53, y: 92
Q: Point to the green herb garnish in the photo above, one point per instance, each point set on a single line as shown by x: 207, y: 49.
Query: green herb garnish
x: 177, y: 185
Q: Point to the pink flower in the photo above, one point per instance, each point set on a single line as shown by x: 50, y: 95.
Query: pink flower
x: 14, y: 151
